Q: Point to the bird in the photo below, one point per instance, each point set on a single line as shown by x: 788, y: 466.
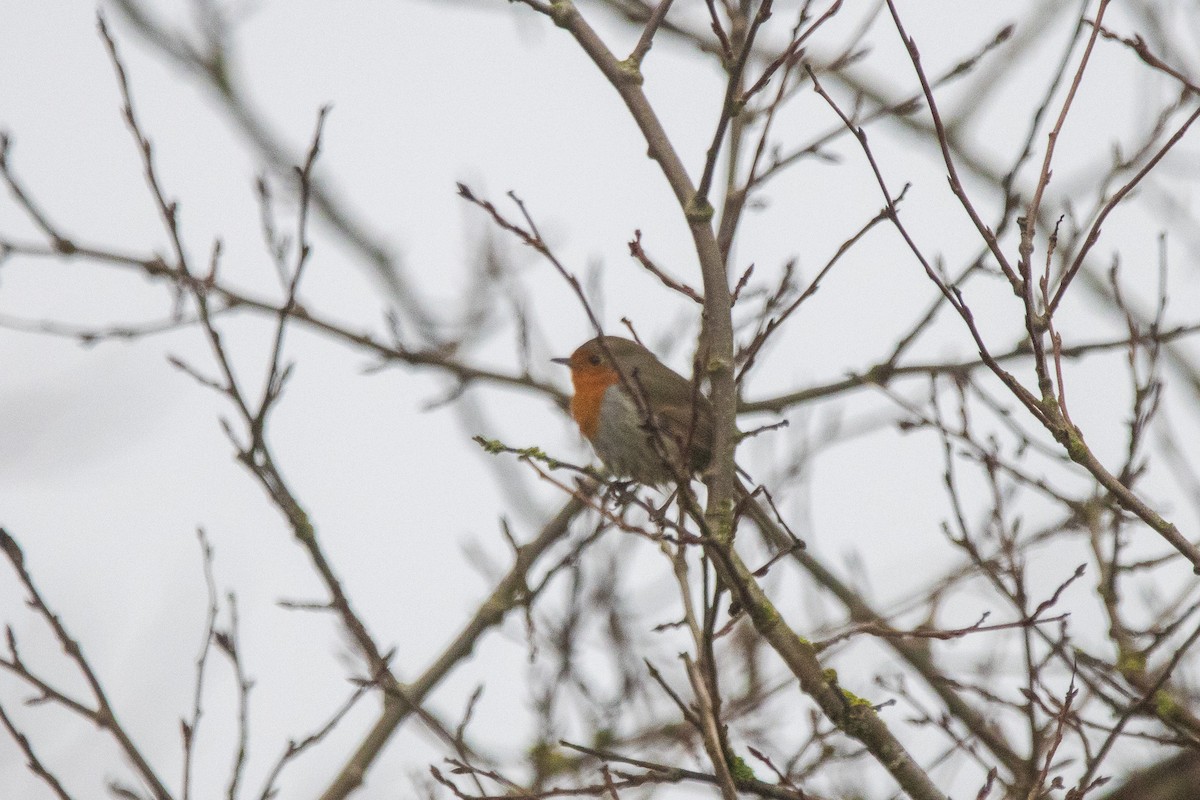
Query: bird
x: 641, y: 417
x: 645, y: 421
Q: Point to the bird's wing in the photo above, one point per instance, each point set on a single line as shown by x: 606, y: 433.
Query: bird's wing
x: 687, y: 415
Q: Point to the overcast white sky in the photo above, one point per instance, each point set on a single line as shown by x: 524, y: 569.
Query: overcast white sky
x: 110, y: 459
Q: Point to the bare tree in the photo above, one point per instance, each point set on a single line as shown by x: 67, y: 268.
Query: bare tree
x: 1048, y: 649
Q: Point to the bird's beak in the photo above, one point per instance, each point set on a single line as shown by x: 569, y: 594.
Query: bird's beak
x: 563, y: 361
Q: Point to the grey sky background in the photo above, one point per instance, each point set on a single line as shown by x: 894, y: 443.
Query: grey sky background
x: 110, y: 458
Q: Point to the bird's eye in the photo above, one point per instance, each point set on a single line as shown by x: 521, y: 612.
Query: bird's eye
x: 594, y: 360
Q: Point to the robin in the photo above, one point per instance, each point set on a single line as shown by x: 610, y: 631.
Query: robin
x: 640, y: 415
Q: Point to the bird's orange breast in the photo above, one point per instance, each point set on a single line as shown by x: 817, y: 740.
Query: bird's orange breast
x: 590, y: 386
